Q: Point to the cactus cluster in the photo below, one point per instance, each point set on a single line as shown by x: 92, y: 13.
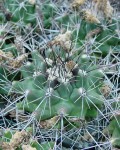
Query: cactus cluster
x: 59, y: 75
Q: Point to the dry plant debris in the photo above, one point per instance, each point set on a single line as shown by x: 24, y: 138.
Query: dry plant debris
x: 77, y: 3
x: 105, y: 7
x: 64, y: 40
x: 89, y: 17
x: 17, y: 139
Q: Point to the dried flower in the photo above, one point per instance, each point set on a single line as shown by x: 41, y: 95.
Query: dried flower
x: 105, y: 7
x: 17, y: 62
x: 105, y: 89
x: 70, y: 65
x: 77, y: 3
x: 93, y: 33
x: 64, y: 40
x: 89, y: 17
x: 49, y: 123
x: 5, y: 56
x: 17, y: 139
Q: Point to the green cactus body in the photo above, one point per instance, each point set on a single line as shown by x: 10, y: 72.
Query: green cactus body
x: 21, y: 11
x: 81, y: 94
x: 54, y: 62
x: 114, y: 129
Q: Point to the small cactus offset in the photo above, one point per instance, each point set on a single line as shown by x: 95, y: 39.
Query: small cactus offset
x: 59, y: 75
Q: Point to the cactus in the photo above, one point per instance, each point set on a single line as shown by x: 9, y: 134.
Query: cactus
x: 59, y: 74
x: 58, y: 85
x: 18, y: 10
